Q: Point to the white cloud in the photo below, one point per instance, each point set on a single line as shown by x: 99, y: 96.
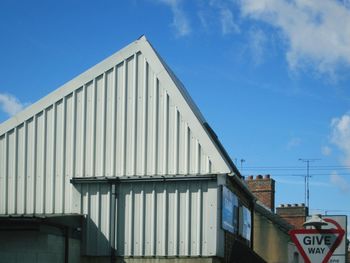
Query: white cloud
x: 180, y: 20
x: 339, y: 182
x: 228, y: 25
x: 294, y: 142
x: 326, y: 150
x: 340, y: 136
x: 225, y: 16
x: 317, y: 32
x: 10, y: 104
x: 203, y: 19
x: 257, y: 43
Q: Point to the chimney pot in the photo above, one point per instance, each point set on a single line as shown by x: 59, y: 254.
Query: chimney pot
x: 259, y: 176
x: 267, y: 176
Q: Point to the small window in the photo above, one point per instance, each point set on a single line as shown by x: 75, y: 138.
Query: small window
x: 295, y: 257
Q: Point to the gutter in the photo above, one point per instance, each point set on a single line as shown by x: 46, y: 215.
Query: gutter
x: 242, y: 186
x: 137, y: 179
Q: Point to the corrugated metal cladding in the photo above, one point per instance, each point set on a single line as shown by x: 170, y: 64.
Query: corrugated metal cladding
x: 122, y: 122
x: 153, y: 219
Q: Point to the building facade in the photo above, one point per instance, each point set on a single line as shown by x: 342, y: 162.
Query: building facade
x: 271, y: 238
x: 118, y: 164
x: 271, y: 231
x: 294, y: 214
x: 263, y: 187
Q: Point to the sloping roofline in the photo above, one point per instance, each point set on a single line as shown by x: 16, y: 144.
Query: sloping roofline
x: 161, y: 69
x: 198, y: 113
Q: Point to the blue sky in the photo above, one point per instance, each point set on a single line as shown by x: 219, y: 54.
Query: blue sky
x: 270, y: 76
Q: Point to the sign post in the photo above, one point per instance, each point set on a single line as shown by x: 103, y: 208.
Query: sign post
x: 318, y: 245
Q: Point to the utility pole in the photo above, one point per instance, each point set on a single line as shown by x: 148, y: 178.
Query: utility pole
x: 307, y: 179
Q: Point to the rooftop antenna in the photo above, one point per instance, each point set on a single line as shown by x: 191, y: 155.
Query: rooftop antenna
x: 307, y: 178
x: 242, y: 161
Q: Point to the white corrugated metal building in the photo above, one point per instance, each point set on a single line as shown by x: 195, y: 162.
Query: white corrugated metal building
x: 118, y: 162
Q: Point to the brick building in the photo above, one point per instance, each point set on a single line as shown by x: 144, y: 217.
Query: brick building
x: 263, y: 187
x: 294, y: 214
x: 271, y: 238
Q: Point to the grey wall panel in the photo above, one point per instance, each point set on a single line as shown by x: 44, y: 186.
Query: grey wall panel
x: 153, y: 219
x: 68, y: 153
x: 79, y: 132
x: 3, y: 173
x: 37, y: 162
x: 95, y: 204
x: 12, y: 172
x: 49, y: 158
x: 30, y: 167
x: 123, y: 122
x: 109, y: 140
x: 40, y: 161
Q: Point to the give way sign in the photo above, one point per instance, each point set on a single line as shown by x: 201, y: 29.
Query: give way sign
x: 317, y: 245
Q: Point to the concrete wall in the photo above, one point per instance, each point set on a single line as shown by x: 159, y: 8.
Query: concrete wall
x: 35, y: 247
x: 270, y: 242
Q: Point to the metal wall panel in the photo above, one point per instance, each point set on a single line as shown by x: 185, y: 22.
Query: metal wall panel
x: 95, y: 204
x: 125, y: 117
x: 152, y: 219
x: 3, y: 174
x: 123, y: 122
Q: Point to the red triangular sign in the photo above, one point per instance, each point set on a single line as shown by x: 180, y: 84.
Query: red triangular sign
x: 317, y: 245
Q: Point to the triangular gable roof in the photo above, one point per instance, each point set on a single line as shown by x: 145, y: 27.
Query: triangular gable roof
x: 128, y: 115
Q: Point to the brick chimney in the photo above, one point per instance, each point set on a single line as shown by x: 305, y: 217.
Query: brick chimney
x: 263, y: 187
x: 294, y: 214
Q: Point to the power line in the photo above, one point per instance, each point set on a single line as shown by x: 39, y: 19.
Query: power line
x: 315, y: 167
x: 331, y: 210
x: 302, y: 175
x: 294, y: 166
